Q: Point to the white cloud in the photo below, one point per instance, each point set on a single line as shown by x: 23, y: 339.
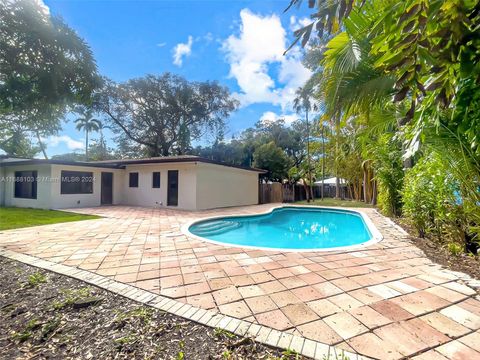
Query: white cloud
x: 270, y: 116
x: 181, y: 51
x: 252, y: 54
x: 208, y: 37
x: 44, y: 7
x: 162, y: 44
x: 67, y: 140
x: 298, y: 23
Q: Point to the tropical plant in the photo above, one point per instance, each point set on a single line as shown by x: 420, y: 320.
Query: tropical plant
x: 429, y: 49
x: 428, y: 194
x: 387, y: 162
x: 406, y: 75
x: 88, y: 124
x: 461, y: 162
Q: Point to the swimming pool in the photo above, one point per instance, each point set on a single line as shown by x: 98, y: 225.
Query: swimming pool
x: 291, y: 228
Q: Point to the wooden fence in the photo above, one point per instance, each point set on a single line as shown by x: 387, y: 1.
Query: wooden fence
x: 270, y: 193
x: 276, y: 192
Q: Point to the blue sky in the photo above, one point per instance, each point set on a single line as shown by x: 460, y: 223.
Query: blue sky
x: 238, y: 43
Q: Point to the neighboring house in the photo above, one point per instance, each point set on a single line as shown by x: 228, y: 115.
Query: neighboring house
x: 331, y: 182
x: 183, y: 182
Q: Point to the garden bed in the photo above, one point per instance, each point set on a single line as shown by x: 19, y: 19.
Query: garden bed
x: 46, y: 315
x: 438, y: 252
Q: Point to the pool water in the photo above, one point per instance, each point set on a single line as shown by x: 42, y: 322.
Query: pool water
x: 288, y: 228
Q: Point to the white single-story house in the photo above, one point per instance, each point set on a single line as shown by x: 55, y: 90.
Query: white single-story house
x: 183, y: 182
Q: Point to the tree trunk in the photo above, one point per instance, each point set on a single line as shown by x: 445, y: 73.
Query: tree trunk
x: 308, y: 156
x: 86, y: 145
x: 164, y: 149
x: 374, y: 193
x: 337, y: 133
x: 323, y: 161
x: 337, y: 185
x: 349, y: 188
x: 365, y: 181
x: 42, y: 147
x: 103, y: 146
x: 305, y: 187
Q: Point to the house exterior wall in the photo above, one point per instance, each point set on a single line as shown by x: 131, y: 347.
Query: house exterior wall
x: 2, y: 186
x: 63, y: 201
x: 200, y: 186
x: 146, y: 195
x: 220, y: 186
x: 44, y: 187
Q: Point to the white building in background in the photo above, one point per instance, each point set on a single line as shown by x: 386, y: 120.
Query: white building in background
x: 331, y: 182
x: 182, y: 182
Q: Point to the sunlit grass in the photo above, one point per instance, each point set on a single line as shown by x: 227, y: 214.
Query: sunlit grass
x: 13, y: 218
x: 334, y: 202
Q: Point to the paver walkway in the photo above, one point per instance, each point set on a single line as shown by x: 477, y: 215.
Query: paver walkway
x: 386, y: 301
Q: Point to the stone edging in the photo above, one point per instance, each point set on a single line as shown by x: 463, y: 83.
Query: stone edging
x: 258, y: 333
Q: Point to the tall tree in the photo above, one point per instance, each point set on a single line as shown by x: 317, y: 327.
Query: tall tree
x: 270, y: 157
x: 164, y: 114
x: 304, y: 102
x: 88, y: 124
x: 15, y: 143
x: 100, y: 148
x: 44, y: 68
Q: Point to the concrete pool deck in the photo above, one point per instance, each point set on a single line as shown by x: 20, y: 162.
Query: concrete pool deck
x: 385, y: 301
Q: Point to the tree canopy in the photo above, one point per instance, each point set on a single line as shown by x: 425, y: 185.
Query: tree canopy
x: 286, y: 144
x: 43, y: 62
x: 164, y: 114
x: 45, y: 68
x: 270, y: 157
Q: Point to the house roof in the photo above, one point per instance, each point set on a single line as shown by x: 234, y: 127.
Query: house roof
x: 10, y: 158
x: 121, y: 163
x: 174, y: 159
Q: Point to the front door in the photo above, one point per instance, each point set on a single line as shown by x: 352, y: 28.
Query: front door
x: 107, y: 188
x: 172, y: 189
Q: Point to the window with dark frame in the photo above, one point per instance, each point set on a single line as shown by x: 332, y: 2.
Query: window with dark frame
x: 76, y: 182
x: 133, y: 179
x: 26, y: 184
x: 156, y: 180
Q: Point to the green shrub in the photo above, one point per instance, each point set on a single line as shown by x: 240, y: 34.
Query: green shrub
x: 454, y: 249
x: 389, y: 174
x: 429, y: 201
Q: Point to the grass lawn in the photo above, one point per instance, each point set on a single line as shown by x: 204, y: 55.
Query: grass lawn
x: 13, y: 218
x: 334, y: 202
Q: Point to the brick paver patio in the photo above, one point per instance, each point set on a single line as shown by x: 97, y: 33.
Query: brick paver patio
x: 386, y: 301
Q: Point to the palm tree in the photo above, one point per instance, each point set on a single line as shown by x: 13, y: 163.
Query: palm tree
x: 303, y: 102
x: 349, y: 84
x: 88, y: 124
x: 102, y: 140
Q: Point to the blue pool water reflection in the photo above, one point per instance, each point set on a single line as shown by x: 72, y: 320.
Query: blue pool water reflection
x: 288, y: 228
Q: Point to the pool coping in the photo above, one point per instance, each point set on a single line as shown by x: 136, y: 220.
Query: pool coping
x: 376, y: 234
